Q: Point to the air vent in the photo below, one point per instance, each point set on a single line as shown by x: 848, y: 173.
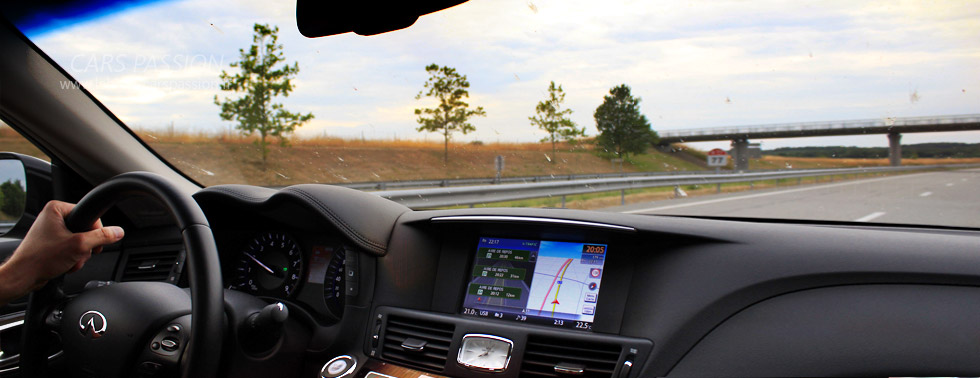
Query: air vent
x: 543, y: 354
x: 419, y: 343
x: 153, y: 264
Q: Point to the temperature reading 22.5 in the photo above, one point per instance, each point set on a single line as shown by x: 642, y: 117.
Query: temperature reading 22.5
x: 592, y: 248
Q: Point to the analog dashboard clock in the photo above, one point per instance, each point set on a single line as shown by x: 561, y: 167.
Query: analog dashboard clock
x: 486, y: 353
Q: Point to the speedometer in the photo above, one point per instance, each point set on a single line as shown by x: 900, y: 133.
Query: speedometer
x: 270, y: 264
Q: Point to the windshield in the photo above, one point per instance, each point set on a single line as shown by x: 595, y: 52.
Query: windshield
x: 849, y: 111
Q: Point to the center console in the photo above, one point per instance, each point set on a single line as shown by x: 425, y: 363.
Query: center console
x: 540, y: 297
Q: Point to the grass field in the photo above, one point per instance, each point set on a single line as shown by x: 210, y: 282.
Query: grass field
x: 224, y: 158
x: 779, y: 162
x: 227, y: 159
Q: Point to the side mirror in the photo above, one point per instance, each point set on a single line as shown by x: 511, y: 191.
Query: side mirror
x: 25, y: 187
x: 13, y: 193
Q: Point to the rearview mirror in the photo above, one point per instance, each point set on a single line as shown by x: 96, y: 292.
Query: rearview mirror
x: 319, y: 18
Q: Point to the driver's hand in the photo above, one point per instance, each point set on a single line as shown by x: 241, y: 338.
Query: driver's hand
x: 50, y: 250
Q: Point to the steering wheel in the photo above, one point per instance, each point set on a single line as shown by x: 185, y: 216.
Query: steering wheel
x: 134, y: 328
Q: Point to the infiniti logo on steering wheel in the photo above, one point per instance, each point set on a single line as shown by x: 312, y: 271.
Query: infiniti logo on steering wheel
x: 92, y: 324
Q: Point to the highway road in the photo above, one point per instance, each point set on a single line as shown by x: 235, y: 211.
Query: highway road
x: 948, y: 198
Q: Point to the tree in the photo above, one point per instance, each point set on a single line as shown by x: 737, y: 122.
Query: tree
x: 452, y: 113
x: 261, y: 81
x: 622, y: 129
x: 554, y: 120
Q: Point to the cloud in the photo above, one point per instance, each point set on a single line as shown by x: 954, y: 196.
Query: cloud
x: 774, y: 61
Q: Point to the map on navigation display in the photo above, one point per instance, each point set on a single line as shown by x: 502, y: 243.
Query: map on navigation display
x: 565, y: 278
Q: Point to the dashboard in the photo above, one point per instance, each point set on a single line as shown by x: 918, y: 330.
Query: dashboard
x: 376, y: 290
x: 556, y: 293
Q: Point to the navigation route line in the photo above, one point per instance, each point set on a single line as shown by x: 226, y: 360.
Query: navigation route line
x: 561, y: 272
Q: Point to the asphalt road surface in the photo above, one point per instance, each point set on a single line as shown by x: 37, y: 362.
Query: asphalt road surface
x: 948, y: 198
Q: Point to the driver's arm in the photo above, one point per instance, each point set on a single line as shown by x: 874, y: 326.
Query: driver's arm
x: 50, y: 250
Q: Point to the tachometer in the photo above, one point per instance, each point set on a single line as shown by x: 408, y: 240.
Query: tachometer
x: 271, y: 264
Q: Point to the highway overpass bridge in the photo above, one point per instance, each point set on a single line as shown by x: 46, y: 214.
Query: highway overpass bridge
x: 892, y: 127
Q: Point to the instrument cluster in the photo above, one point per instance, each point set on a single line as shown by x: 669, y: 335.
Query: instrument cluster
x: 280, y: 265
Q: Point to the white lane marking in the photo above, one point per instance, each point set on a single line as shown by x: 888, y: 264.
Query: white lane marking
x: 768, y: 194
x: 949, y: 184
x: 925, y: 194
x: 871, y: 216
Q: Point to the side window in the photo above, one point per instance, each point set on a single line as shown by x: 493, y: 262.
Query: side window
x: 12, y: 141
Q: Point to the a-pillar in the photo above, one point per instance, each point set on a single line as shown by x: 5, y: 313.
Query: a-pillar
x: 895, y: 149
x: 740, y: 154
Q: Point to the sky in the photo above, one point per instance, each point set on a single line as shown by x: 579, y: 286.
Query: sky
x: 693, y: 64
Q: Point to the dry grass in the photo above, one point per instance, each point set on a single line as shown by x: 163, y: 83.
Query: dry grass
x: 218, y: 163
x: 231, y: 158
x: 234, y: 137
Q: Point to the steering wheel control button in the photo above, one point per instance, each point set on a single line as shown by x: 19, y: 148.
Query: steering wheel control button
x: 173, y: 328
x: 340, y: 366
x: 155, y: 345
x: 150, y: 367
x: 169, y: 344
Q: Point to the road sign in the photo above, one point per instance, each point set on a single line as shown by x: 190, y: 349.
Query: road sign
x: 717, y: 158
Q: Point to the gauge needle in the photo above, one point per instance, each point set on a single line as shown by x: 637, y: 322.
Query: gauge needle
x: 260, y: 263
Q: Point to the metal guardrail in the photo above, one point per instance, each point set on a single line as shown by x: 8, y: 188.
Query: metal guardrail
x: 417, y: 184
x: 896, y: 123
x: 479, y: 194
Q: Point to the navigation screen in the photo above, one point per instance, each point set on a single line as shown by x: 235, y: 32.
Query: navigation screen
x: 536, y: 281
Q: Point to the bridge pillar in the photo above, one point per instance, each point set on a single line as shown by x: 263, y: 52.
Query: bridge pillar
x: 740, y: 154
x: 895, y: 149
